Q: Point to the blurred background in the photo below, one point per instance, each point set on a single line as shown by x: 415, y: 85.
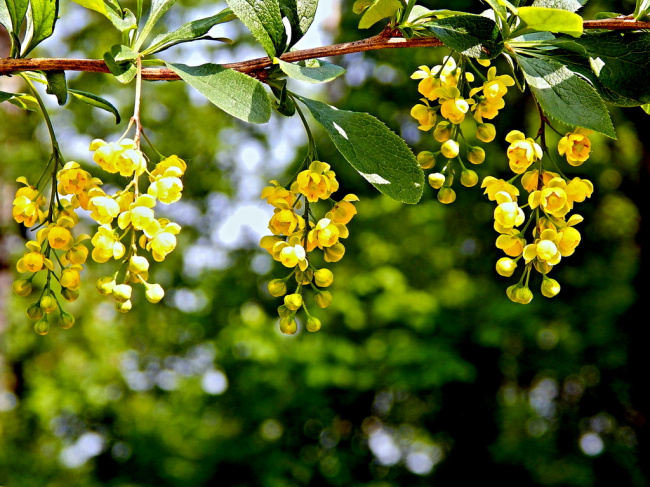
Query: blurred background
x: 424, y: 372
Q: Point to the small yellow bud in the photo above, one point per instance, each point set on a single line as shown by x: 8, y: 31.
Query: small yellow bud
x: 105, y: 285
x: 22, y: 287
x: 506, y: 267
x: 442, y: 132
x: 277, y: 288
x: 334, y: 253
x: 436, y: 180
x: 66, y: 320
x: 519, y: 294
x: 304, y: 277
x: 313, y: 324
x: 450, y: 149
x: 69, y: 294
x: 154, y: 293
x: 138, y: 264
x: 48, y: 303
x: 426, y: 159
x: 35, y: 312
x: 42, y: 326
x: 288, y: 326
x: 486, y: 132
x: 293, y: 301
x: 323, y: 299
x: 124, y: 306
x: 323, y: 277
x: 446, y: 195
x: 476, y: 155
x: 122, y: 293
x: 468, y: 178
x: 550, y: 287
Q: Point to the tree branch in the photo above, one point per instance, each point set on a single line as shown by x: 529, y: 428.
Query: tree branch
x: 388, y: 39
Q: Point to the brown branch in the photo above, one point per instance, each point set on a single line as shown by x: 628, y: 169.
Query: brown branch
x: 386, y: 40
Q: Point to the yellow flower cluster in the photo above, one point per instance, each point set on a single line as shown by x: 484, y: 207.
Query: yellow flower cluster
x: 296, y: 236
x: 447, y: 84
x: 125, y: 220
x: 551, y: 197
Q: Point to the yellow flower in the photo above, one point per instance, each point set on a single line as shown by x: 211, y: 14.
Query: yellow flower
x: 71, y: 277
x: 106, y: 244
x: 344, y: 210
x: 123, y: 157
x: 544, y: 249
x: 164, y: 240
x: 285, y: 222
x: 291, y: 254
x: 519, y: 294
x: 522, y: 151
x: 326, y: 233
x: 569, y: 240
x: 267, y: 242
x: 436, y: 77
x: 23, y: 287
x: 506, y: 267
x: 485, y: 132
x: 293, y: 301
x: 452, y: 105
x: 334, y: 253
x: 450, y: 149
x: 508, y: 214
x: 170, y: 162
x: 436, y: 180
x: 511, y: 243
x: 493, y: 186
x: 59, y: 237
x: 425, y: 115
x: 278, y: 196
x: 323, y: 277
x: 31, y: 262
x: 72, y: 179
x: 496, y: 86
x: 552, y: 198
x: 27, y: 203
x: 317, y: 182
x: 141, y: 216
x: 442, y: 132
x: 578, y: 190
x: 576, y: 146
x: 103, y: 209
x: 550, y: 287
x: 487, y: 109
x: 167, y: 189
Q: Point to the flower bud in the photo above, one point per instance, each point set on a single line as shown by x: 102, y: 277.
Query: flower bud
x: 436, y: 180
x: 69, y: 294
x: 468, y: 178
x: 288, y: 326
x: 35, y: 312
x: 277, y: 287
x: 48, y: 303
x: 66, y: 320
x: 304, y: 277
x: 506, y: 267
x: 485, y: 132
x: 42, y: 326
x: 293, y: 301
x: 519, y: 294
x: 446, y: 195
x: 426, y: 159
x: 313, y: 324
x: 450, y: 149
x: 154, y: 293
x: 283, y: 311
x: 105, y: 285
x: 323, y: 299
x: 138, y: 264
x: 476, y: 155
x: 323, y: 277
x: 550, y: 287
x: 122, y: 293
x: 77, y: 254
x: 334, y: 253
x: 22, y: 287
x: 124, y: 306
x: 442, y: 132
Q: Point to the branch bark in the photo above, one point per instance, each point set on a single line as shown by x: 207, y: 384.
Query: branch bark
x: 386, y: 40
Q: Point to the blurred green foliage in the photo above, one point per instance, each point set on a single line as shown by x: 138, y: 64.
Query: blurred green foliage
x: 423, y: 373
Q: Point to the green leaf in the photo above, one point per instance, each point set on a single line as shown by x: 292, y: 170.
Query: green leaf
x: 380, y: 156
x: 284, y: 104
x: 5, y: 17
x: 190, y: 31
x: 641, y: 10
x: 646, y: 108
x: 569, y: 5
x: 501, y: 7
x: 621, y: 63
x: 21, y: 100
x: 122, y: 19
x: 313, y: 71
x: 566, y: 96
x: 124, y: 72
x: 263, y: 19
x: 41, y: 18
x: 378, y: 10
x: 158, y: 9
x: 300, y: 14
x: 57, y: 85
x: 534, y: 19
x: 96, y: 101
x: 471, y: 35
x: 13, y: 13
x: 235, y: 93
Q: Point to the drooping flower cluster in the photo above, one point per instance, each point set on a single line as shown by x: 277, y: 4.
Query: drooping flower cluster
x: 446, y: 85
x: 125, y: 220
x: 297, y: 233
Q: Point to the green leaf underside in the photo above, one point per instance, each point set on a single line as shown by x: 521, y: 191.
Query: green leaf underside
x: 565, y: 96
x: 21, y: 100
x: 96, y: 101
x: 378, y: 10
x: 263, y: 19
x: 112, y: 12
x: 471, y: 35
x: 5, y: 18
x: 315, y: 71
x: 376, y: 152
x: 569, y: 5
x: 14, y: 12
x: 235, y: 93
x: 499, y: 8
x: 57, y: 85
x: 621, y: 62
x: 300, y: 14
x: 43, y: 17
x: 124, y: 72
x: 548, y: 20
x: 158, y: 9
x: 188, y: 32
